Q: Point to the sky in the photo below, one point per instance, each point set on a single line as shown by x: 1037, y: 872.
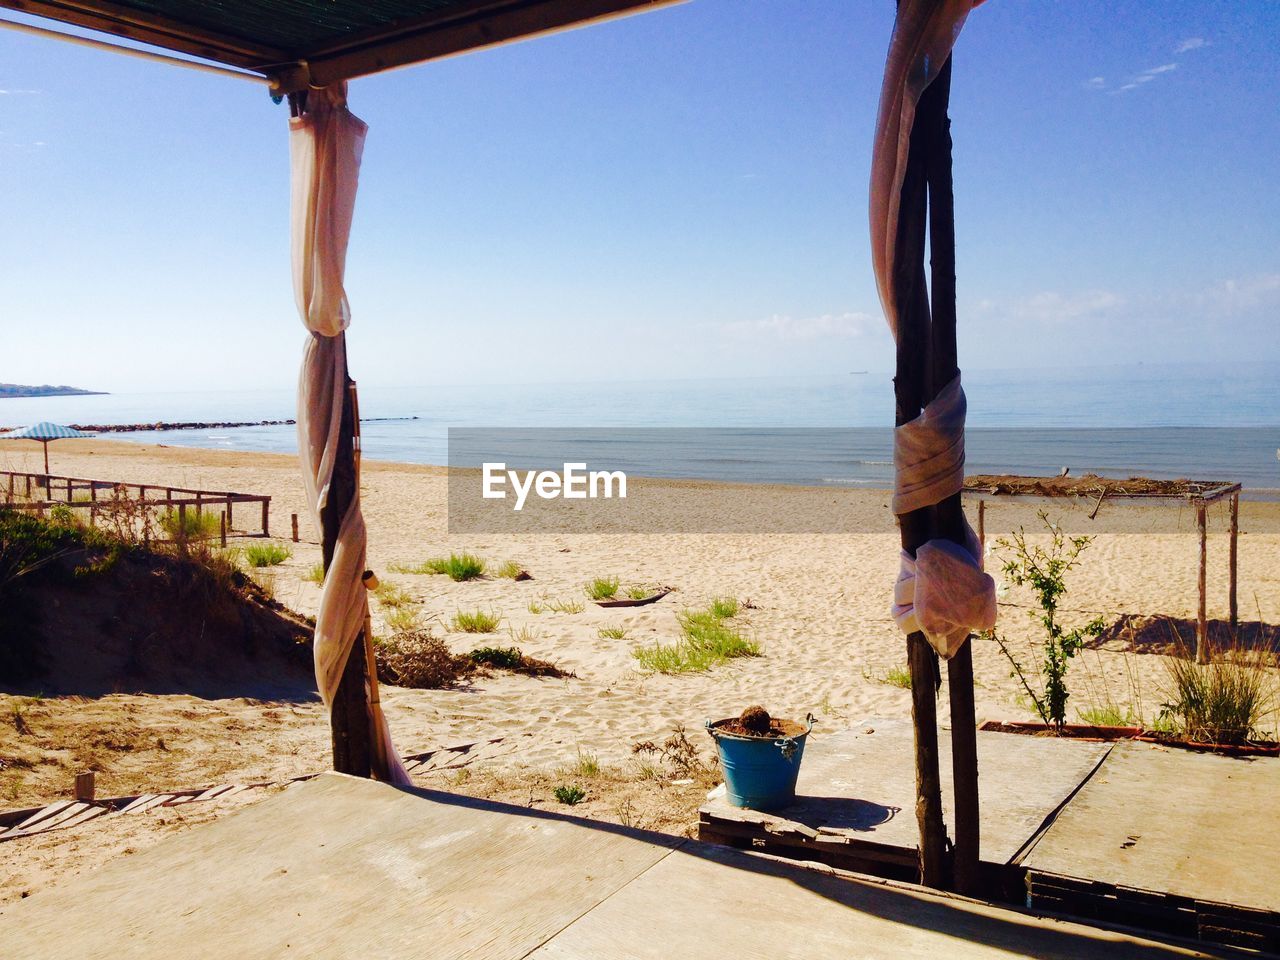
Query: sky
x: 680, y: 194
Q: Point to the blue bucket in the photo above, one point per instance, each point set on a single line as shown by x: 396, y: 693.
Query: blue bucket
x: 760, y: 772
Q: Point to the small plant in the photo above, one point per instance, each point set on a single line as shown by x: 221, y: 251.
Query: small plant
x: 418, y: 659
x: 612, y: 633
x: 392, y: 595
x: 640, y: 593
x: 1107, y: 715
x: 602, y: 588
x: 403, y: 619
x: 677, y: 754
x: 570, y: 794
x: 588, y: 765
x: 1044, y: 571
x: 187, y: 524
x: 506, y: 658
x: 476, y: 621
x: 456, y: 566
x: 724, y: 608
x: 314, y: 574
x: 1222, y: 701
x: 266, y: 554
x: 548, y: 605
x: 899, y: 677
x: 525, y: 634
x: 707, y: 641
x: 510, y: 570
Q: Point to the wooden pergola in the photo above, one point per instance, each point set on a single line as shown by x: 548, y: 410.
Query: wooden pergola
x: 1090, y: 488
x: 297, y: 46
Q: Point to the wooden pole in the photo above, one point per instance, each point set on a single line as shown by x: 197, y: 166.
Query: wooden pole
x: 982, y: 526
x: 1233, y: 563
x: 222, y: 532
x: 349, y: 717
x: 915, y: 527
x: 949, y: 520
x: 294, y: 518
x: 1202, y: 620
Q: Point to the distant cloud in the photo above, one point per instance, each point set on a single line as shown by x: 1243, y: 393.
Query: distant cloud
x: 1051, y: 307
x: 17, y: 93
x: 1096, y: 83
x: 1151, y: 73
x: 1191, y: 43
x: 785, y: 327
x: 1235, y: 296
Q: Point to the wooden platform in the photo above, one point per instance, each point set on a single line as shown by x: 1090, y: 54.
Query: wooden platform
x: 857, y: 799
x: 338, y: 867
x: 1184, y: 842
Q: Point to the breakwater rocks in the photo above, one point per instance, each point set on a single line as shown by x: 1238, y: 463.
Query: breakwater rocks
x: 203, y: 425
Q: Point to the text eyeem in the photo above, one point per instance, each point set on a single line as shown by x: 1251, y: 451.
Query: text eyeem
x: 574, y: 482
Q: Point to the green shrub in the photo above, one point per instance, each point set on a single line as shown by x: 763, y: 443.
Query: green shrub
x: 266, y: 554
x: 898, y: 677
x: 724, y: 608
x: 640, y: 593
x: 507, y: 658
x: 509, y: 570
x: 571, y: 795
x: 457, y: 566
x: 476, y: 621
x: 612, y: 633
x: 602, y: 588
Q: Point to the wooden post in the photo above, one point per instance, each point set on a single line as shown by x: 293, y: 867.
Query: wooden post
x: 266, y: 517
x: 916, y: 527
x: 230, y: 501
x: 982, y: 526
x: 949, y: 520
x: 1202, y: 620
x: 84, y: 788
x: 294, y: 519
x: 222, y: 525
x: 349, y: 718
x: 1233, y: 563
x: 182, y: 523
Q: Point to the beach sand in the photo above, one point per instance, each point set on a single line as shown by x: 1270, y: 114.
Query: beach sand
x: 818, y: 606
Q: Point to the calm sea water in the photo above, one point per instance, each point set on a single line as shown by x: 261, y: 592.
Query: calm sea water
x: 1165, y: 421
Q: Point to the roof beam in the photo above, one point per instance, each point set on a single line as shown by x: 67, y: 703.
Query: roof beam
x: 155, y: 30
x: 485, y: 23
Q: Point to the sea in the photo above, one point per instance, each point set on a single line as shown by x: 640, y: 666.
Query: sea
x: 1203, y: 421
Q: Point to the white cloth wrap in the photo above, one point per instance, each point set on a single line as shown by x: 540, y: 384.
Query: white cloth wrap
x: 325, y: 145
x: 942, y: 591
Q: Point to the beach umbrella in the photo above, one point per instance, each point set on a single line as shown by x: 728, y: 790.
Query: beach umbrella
x: 44, y: 431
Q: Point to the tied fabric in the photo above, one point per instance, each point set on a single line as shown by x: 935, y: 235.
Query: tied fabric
x: 325, y: 145
x: 942, y: 591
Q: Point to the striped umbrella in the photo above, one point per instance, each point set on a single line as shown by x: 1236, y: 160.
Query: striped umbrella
x: 44, y: 431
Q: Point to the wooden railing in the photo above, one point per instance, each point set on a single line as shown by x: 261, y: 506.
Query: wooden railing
x: 39, y: 492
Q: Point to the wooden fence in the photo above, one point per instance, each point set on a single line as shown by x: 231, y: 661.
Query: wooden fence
x: 40, y: 492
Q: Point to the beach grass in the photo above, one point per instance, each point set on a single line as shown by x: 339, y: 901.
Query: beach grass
x: 403, y: 619
x: 707, y: 640
x: 602, y: 588
x: 457, y: 566
x: 476, y: 621
x: 551, y: 605
x: 314, y: 574
x: 570, y: 794
x: 1107, y: 715
x: 505, y: 658
x: 1223, y: 701
x: 639, y: 593
x: 899, y: 677
x: 188, y: 525
x: 508, y: 570
x: 392, y: 595
x: 266, y: 554
x: 612, y: 633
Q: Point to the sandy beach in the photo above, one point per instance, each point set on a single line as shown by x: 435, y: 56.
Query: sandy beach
x: 816, y: 604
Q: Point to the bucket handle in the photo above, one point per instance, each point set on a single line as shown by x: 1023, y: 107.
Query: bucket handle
x: 788, y: 745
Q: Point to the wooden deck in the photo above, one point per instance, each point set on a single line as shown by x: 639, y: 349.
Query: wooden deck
x: 340, y: 867
x: 1158, y: 837
x: 857, y: 799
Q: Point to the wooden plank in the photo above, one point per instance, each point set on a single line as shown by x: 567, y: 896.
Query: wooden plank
x: 47, y: 811
x: 341, y: 867
x: 1186, y: 824
x: 711, y: 903
x: 859, y: 784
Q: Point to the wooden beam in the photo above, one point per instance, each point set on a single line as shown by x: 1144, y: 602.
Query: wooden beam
x: 1233, y: 562
x: 1202, y: 621
x: 916, y: 527
x: 153, y: 29
x: 481, y: 24
x: 349, y: 715
x: 948, y: 518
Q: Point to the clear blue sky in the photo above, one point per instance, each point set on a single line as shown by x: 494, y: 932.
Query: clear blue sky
x: 676, y: 194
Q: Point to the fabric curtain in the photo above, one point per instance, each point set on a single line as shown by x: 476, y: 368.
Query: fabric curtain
x: 942, y: 591
x: 325, y: 147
